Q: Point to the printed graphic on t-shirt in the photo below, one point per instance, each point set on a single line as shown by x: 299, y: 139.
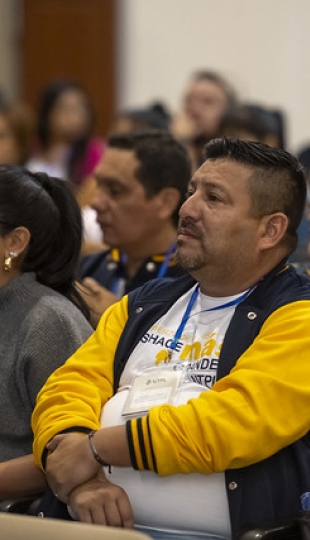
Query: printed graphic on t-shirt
x: 197, y: 351
x: 198, y: 358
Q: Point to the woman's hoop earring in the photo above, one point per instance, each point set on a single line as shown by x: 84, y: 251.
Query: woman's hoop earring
x: 8, y: 261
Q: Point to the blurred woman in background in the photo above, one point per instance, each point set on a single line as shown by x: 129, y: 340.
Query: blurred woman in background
x: 66, y: 145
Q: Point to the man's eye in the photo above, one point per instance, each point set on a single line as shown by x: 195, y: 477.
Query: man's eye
x: 189, y: 193
x: 110, y: 191
x: 114, y: 192
x: 213, y: 198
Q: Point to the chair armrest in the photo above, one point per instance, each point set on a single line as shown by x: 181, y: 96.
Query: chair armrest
x: 284, y: 531
x: 21, y: 505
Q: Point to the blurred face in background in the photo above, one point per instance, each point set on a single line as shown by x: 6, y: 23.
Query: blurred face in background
x: 70, y: 116
x: 205, y: 103
x: 127, y: 216
x: 9, y: 150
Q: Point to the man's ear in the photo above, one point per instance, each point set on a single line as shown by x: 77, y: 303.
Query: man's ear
x: 273, y: 230
x: 17, y: 241
x: 169, y: 200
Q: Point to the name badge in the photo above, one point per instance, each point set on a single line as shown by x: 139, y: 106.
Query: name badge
x: 154, y: 388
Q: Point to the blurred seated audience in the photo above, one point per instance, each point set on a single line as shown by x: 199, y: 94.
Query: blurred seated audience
x: 141, y: 183
x: 302, y: 262
x: 16, y: 132
x: 253, y: 122
x: 206, y: 99
x: 42, y: 312
x: 301, y: 257
x: 67, y: 147
x: 304, y: 157
x: 155, y: 116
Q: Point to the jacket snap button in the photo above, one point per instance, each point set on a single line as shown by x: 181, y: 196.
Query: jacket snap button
x: 252, y: 315
x: 232, y: 485
x: 139, y: 309
x: 150, y: 266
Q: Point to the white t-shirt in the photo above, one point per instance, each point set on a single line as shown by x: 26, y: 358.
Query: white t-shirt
x: 183, y: 502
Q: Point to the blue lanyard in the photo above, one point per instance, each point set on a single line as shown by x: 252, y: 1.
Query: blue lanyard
x: 117, y: 278
x: 161, y: 272
x: 187, y: 314
x: 164, y: 265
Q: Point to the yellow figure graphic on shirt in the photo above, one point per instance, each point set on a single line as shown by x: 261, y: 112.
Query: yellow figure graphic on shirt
x: 193, y: 351
x: 162, y: 356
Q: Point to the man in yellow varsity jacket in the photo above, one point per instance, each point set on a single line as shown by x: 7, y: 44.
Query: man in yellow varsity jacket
x: 187, y: 412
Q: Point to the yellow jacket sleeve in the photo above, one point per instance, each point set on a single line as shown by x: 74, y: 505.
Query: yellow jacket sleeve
x: 74, y: 394
x: 258, y: 409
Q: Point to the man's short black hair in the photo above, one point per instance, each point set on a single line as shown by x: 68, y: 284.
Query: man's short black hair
x: 277, y: 184
x: 163, y: 161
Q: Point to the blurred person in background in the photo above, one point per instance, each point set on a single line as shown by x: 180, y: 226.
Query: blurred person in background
x: 156, y: 116
x: 303, y: 262
x: 206, y: 99
x: 304, y: 157
x: 142, y: 181
x: 67, y: 147
x: 16, y: 132
x: 301, y: 257
x: 253, y: 122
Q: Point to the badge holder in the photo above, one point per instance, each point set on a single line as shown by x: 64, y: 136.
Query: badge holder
x: 153, y: 387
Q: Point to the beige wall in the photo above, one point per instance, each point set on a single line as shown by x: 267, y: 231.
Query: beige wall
x: 263, y: 46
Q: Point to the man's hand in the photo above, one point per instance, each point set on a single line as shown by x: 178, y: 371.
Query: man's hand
x: 96, y: 297
x: 101, y: 502
x: 70, y: 464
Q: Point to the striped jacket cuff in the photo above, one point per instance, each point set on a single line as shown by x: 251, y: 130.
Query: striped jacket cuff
x: 140, y: 444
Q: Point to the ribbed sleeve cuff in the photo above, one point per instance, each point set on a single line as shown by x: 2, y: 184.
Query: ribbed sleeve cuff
x: 140, y: 444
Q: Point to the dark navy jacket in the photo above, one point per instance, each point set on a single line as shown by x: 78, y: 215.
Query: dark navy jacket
x: 107, y: 267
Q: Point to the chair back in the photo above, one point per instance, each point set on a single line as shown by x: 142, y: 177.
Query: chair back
x: 23, y: 527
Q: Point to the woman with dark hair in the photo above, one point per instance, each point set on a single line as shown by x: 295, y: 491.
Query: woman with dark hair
x: 42, y: 315
x: 67, y: 147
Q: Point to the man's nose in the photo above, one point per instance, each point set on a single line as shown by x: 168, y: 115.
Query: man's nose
x: 100, y: 201
x: 191, y: 207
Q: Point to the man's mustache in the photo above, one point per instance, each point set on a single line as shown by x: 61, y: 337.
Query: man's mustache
x: 188, y: 226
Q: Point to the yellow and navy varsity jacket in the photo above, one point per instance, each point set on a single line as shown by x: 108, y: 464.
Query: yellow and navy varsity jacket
x: 253, y: 424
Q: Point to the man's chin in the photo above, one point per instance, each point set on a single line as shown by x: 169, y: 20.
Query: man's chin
x: 188, y: 263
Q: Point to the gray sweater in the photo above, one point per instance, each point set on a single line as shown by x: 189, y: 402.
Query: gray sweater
x: 40, y: 329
